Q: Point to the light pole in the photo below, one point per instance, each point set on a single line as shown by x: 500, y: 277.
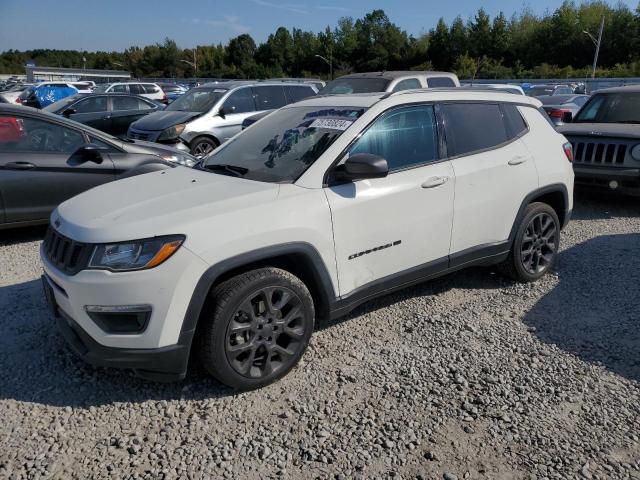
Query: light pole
x: 597, y: 43
x: 328, y: 62
x: 193, y: 64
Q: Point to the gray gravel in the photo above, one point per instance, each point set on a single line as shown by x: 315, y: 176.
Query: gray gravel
x: 470, y: 376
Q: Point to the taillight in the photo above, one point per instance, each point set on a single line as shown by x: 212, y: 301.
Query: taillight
x: 18, y: 100
x: 568, y: 151
x: 558, y: 112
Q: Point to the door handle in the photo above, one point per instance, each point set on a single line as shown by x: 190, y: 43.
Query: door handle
x: 518, y: 160
x: 19, y: 166
x: 434, y: 182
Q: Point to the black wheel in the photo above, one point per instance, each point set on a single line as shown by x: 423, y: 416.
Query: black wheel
x: 203, y: 146
x: 536, y: 244
x: 258, y: 328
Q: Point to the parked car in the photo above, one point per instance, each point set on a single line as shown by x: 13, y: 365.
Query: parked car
x: 388, y: 82
x: 316, y: 82
x: 12, y: 95
x: 503, y: 87
x: 109, y: 112
x: 333, y: 201
x: 172, y: 91
x: 44, y: 94
x: 46, y: 159
x: 144, y: 89
x: 209, y: 115
x: 546, y: 90
x: 562, y: 107
x: 605, y: 135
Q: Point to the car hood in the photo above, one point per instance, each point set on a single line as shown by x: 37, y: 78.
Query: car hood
x: 174, y: 201
x: 163, y: 119
x: 622, y: 130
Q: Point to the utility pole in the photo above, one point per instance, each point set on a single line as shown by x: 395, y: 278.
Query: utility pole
x: 597, y: 43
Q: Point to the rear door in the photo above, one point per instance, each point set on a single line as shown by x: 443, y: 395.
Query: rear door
x: 125, y: 110
x: 239, y: 105
x: 92, y: 111
x: 38, y: 168
x: 295, y: 93
x: 494, y: 172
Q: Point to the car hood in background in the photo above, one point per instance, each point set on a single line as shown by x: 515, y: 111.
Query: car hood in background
x: 173, y: 201
x: 163, y: 119
x: 623, y: 130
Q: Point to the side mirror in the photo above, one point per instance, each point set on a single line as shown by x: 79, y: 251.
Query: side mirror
x: 89, y: 152
x: 362, y: 166
x: 68, y: 112
x: 567, y: 117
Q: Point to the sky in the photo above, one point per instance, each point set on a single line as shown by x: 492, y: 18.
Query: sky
x: 110, y: 25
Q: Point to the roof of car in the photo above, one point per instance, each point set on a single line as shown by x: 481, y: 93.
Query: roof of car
x: 625, y: 89
x: 390, y: 75
x: 243, y: 83
x: 367, y: 100
x: 558, y: 99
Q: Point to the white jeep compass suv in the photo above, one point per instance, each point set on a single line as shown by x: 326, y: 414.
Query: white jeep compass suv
x: 314, y: 209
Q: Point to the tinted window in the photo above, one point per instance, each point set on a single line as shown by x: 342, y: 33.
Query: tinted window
x: 269, y: 98
x: 136, y: 89
x: 119, y: 89
x: 436, y: 82
x: 514, y: 121
x: 473, y: 126
x: 611, y: 108
x: 296, y: 93
x: 197, y: 100
x: 580, y: 101
x: 91, y: 105
x: 25, y: 134
x: 404, y: 137
x: 150, y: 89
x: 128, y: 103
x: 407, y: 84
x: 240, y: 101
x: 355, y: 85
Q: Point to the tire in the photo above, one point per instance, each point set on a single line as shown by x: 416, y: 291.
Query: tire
x: 535, y: 246
x: 257, y: 329
x: 202, y: 146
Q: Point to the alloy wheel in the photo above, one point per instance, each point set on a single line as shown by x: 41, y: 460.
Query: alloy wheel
x: 266, y: 333
x: 202, y: 149
x: 539, y: 243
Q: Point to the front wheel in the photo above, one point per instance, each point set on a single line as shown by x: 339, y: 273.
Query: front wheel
x: 203, y: 146
x: 536, y: 244
x: 259, y: 327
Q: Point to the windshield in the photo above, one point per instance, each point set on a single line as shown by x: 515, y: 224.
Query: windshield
x: 199, y: 100
x: 611, y: 108
x: 102, y: 88
x: 355, y: 85
x: 539, y: 91
x: 60, y: 104
x: 284, y: 145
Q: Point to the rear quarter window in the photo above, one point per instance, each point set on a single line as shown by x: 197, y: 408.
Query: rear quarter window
x: 473, y: 127
x: 515, y: 124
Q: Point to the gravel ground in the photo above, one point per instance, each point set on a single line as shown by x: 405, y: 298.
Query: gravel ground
x: 470, y: 376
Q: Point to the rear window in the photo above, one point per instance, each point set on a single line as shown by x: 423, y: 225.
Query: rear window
x: 436, y: 82
x: 150, y: 89
x: 355, y: 85
x: 472, y: 127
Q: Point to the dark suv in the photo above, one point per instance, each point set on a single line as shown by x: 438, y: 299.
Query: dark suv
x: 605, y: 135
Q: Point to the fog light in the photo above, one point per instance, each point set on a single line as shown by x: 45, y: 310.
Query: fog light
x: 613, y: 184
x: 120, y: 318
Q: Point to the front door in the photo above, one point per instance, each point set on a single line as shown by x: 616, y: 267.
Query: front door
x: 400, y: 224
x: 93, y: 111
x: 236, y: 108
x: 38, y: 170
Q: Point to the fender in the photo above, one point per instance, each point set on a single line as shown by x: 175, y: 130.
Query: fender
x: 552, y: 188
x: 208, y: 279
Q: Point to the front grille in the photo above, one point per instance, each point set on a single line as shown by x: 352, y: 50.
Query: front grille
x: 605, y: 152
x: 65, y: 254
x: 138, y: 135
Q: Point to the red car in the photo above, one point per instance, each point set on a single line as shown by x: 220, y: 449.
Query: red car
x: 11, y: 130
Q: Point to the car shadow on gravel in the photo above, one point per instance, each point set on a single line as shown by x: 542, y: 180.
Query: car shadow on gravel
x: 21, y: 235
x: 592, y: 204
x: 594, y: 311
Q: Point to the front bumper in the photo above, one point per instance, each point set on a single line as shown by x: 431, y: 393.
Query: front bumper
x: 619, y: 179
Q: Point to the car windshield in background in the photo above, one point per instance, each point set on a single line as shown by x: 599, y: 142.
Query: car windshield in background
x: 101, y: 88
x: 60, y: 104
x: 285, y: 144
x: 539, y: 91
x: 198, y: 100
x: 611, y: 108
x: 556, y: 99
x: 355, y: 85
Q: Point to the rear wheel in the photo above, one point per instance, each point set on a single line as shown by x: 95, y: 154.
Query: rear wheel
x: 203, y: 146
x: 536, y: 244
x: 259, y: 327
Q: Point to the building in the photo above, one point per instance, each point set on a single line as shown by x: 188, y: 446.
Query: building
x: 41, y: 74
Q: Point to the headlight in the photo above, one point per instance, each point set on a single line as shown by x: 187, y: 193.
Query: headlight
x: 172, y: 133
x: 179, y: 158
x: 135, y: 255
x: 635, y: 152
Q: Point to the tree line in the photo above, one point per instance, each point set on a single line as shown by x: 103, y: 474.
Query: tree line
x: 551, y: 45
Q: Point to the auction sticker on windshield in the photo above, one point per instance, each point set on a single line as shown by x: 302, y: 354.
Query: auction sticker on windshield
x: 331, y: 123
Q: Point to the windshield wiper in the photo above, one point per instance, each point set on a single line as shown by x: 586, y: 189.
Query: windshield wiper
x: 232, y: 170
